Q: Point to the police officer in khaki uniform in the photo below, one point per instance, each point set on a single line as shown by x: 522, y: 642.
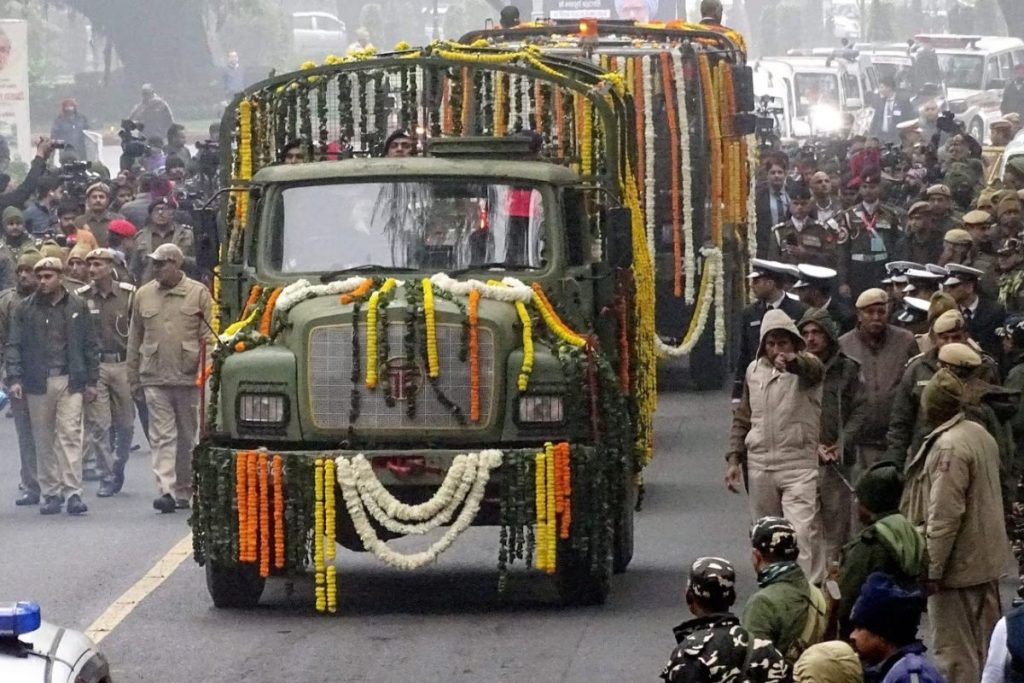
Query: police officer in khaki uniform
x: 160, y: 229
x: 940, y: 202
x: 170, y: 320
x: 9, y: 298
x: 110, y: 304
x: 52, y: 361
x: 801, y: 239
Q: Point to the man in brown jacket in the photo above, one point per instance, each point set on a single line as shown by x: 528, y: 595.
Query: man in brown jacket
x: 170, y: 320
x: 882, y: 351
x: 953, y: 495
x: 775, y: 433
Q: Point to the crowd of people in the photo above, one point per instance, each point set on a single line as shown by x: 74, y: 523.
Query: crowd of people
x: 877, y: 420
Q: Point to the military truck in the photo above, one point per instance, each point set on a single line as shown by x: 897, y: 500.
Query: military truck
x: 461, y: 337
x: 695, y: 186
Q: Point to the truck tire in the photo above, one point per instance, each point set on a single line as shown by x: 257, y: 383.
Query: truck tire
x: 577, y: 585
x: 234, y: 586
x: 622, y: 549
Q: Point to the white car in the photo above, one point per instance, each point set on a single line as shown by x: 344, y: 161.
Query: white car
x: 318, y: 34
x: 36, y: 651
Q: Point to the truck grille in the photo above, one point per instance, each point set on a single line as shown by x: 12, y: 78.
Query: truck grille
x: 330, y: 380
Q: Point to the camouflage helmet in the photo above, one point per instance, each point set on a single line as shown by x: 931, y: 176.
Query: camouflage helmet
x: 774, y: 537
x: 713, y: 579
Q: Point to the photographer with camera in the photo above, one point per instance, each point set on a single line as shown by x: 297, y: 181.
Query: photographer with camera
x: 18, y: 196
x: 41, y: 214
x: 97, y: 216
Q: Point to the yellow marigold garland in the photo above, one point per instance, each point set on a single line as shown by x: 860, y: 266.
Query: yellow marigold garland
x: 527, y: 368
x: 500, y: 102
x: 541, y: 507
x: 318, y: 536
x: 329, y: 533
x: 715, y: 138
x: 429, y: 314
x: 551, y: 533
x: 587, y: 141
x: 551, y: 319
x: 371, y: 341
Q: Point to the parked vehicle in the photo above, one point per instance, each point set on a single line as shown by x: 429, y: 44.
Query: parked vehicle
x: 36, y: 651
x: 317, y: 34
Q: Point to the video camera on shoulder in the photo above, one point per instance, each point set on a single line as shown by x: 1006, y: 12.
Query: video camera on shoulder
x: 947, y: 123
x: 76, y: 177
x: 133, y: 143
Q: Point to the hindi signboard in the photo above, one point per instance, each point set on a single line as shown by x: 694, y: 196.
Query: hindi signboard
x: 636, y: 10
x: 14, y: 114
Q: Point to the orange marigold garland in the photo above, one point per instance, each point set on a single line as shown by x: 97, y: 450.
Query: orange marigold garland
x: 560, y: 122
x: 264, y: 523
x: 279, y: 531
x: 638, y: 109
x: 254, y: 295
x: 715, y: 137
x: 268, y: 312
x: 241, y: 490
x: 474, y: 356
x: 562, y: 454
x: 252, y: 508
x: 357, y: 293
x: 673, y: 145
x: 467, y: 89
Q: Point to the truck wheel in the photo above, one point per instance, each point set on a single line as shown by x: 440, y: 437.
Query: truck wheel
x: 577, y: 586
x: 622, y: 551
x: 234, y: 586
x: 977, y: 131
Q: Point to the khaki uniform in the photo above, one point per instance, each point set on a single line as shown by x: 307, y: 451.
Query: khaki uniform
x: 111, y: 314
x: 163, y: 360
x: 98, y: 225
x: 9, y: 298
x: 812, y: 243
x: 149, y: 239
x: 953, y: 495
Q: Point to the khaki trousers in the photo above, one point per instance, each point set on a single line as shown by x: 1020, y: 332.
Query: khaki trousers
x: 792, y: 494
x: 26, y: 444
x: 836, y: 502
x: 960, y: 622
x: 173, y: 429
x: 113, y: 406
x: 56, y: 418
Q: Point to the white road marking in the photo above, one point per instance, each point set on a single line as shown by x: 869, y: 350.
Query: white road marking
x: 128, y: 601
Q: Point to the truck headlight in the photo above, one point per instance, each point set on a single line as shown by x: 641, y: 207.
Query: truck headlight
x: 541, y: 409
x: 262, y: 410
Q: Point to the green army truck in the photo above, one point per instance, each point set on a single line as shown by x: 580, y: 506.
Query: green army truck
x: 414, y: 345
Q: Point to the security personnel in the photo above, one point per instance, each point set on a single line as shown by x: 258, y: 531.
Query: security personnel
x: 170, y: 319
x: 982, y: 315
x: 940, y: 202
x: 76, y: 270
x: 1010, y: 255
x: 161, y: 229
x: 801, y: 239
x: 922, y: 282
x: 867, y: 237
x: 52, y: 362
x: 766, y: 278
x: 110, y: 304
x: 816, y: 289
x: 895, y: 283
x: 9, y: 298
x: 922, y: 241
x: 906, y: 429
x: 913, y: 315
x: 97, y: 216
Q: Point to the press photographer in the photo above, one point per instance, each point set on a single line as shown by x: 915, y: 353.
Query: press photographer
x: 21, y: 194
x: 134, y: 145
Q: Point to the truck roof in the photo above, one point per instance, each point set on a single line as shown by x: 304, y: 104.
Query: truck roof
x: 411, y: 167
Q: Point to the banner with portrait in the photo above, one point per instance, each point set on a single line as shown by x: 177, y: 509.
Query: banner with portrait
x: 14, y: 114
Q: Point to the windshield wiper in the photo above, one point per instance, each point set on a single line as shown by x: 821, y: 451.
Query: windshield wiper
x: 492, y: 264
x: 364, y: 268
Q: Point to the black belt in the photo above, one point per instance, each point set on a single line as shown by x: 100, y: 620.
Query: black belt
x: 112, y: 357
x: 57, y: 372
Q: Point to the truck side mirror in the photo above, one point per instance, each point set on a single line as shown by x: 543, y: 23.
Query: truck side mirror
x: 618, y: 244
x: 743, y: 86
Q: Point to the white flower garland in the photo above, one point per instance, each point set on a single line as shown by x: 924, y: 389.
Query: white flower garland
x: 714, y: 291
x: 649, y: 140
x: 301, y: 290
x: 357, y: 110
x: 347, y: 480
x: 524, y: 104
x: 751, y: 197
x: 689, y: 248
x: 513, y: 100
x: 371, y: 104
x: 512, y: 290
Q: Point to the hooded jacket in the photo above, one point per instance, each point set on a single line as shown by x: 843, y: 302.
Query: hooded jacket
x: 891, y: 545
x: 953, y: 496
x: 778, y: 422
x: 842, y: 400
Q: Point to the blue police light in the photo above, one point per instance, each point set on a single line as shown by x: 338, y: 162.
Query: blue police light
x: 17, y: 618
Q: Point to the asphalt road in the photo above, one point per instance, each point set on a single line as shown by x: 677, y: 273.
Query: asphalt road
x: 443, y: 624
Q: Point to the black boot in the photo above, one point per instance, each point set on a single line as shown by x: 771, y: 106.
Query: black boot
x: 117, y: 476
x: 27, y: 498
x: 76, y: 506
x: 164, y: 503
x: 107, y: 488
x: 51, y: 506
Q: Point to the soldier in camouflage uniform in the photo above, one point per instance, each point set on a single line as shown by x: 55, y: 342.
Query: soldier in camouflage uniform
x: 1011, y: 278
x: 801, y: 239
x: 713, y: 647
x: 867, y: 234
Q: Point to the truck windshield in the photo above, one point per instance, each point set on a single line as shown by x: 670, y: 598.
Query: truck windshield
x: 814, y: 90
x: 962, y: 71
x: 432, y: 225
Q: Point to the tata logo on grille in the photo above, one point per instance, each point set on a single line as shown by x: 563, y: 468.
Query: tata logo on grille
x: 405, y: 378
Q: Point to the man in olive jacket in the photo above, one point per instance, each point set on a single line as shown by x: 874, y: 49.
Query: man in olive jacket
x: 53, y: 361
x: 952, y: 493
x: 775, y: 432
x: 889, y: 543
x: 842, y: 414
x: 786, y: 609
